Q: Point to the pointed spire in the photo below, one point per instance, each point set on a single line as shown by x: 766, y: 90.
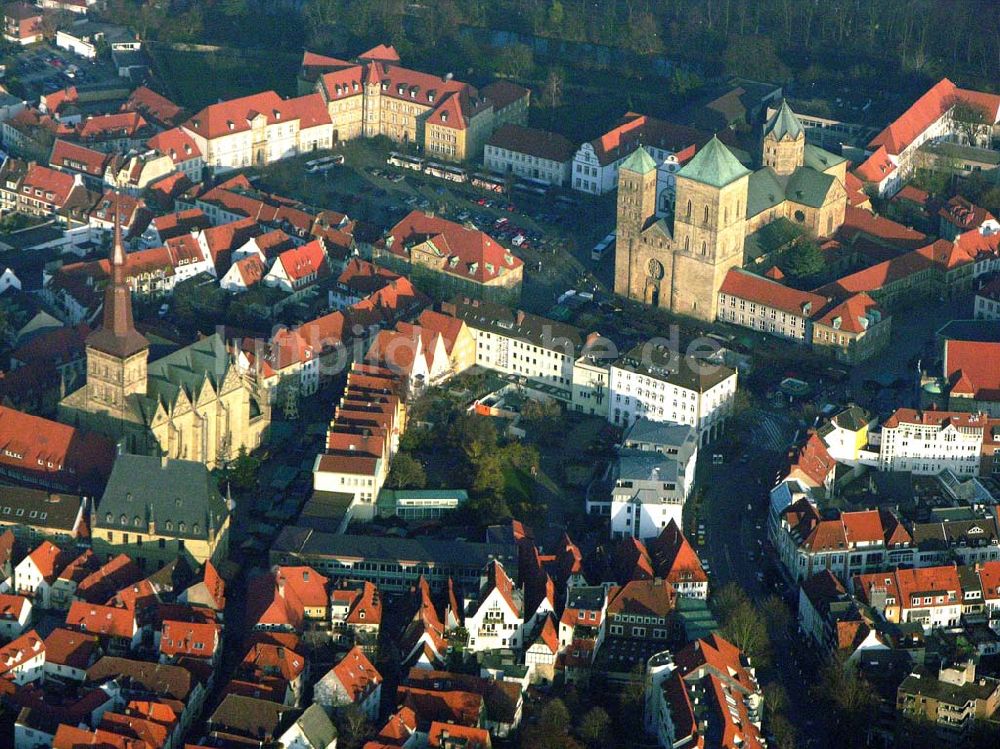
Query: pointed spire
x: 117, y: 335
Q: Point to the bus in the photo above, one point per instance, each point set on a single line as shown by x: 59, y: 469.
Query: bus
x: 488, y: 183
x: 434, y: 169
x: 603, y: 247
x: 405, y: 162
x: 455, y: 174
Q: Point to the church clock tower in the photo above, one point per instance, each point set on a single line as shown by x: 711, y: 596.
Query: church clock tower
x: 117, y: 353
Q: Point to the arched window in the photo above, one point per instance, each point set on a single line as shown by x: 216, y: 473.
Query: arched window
x: 687, y: 244
x: 829, y: 225
x: 705, y: 219
x: 689, y: 209
x: 727, y: 214
x: 704, y: 247
x: 136, y: 521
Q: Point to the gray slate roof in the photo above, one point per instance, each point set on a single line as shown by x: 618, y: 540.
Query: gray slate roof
x: 167, y: 491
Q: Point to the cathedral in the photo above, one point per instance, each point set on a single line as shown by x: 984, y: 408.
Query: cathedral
x: 719, y: 203
x: 192, y: 404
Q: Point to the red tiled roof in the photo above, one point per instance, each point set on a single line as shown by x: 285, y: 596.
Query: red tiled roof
x: 854, y: 312
x: 643, y: 598
x: 79, y: 158
x: 674, y: 558
x: 381, y: 52
x: 973, y: 369
x: 121, y: 124
x: 315, y: 60
x: 636, y: 129
x: 197, y: 639
x: 859, y: 221
x: 119, y: 572
x: 450, y: 735
x: 71, y: 737
x: 308, y: 584
x: 302, y: 261
x: 876, y: 167
x: 468, y: 253
x: 273, y: 659
x: 39, y: 446
x: 181, y: 222
x: 153, y: 105
x: 176, y: 144
x: 67, y: 647
x: 913, y: 194
x: 50, y: 560
x: 503, y: 93
x: 59, y: 184
x: 101, y: 620
x: 743, y: 285
x: 935, y: 418
x: 54, y: 102
x: 356, y: 674
x: 922, y: 114
x: 964, y: 214
x: 251, y: 269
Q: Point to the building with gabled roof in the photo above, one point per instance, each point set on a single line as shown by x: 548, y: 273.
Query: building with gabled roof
x: 674, y: 559
x: 15, y: 615
x: 706, y: 696
x: 259, y: 129
x: 448, y: 259
x: 929, y: 117
x: 35, y: 575
x: 356, y: 611
x: 494, y: 617
x: 352, y: 681
x: 972, y: 371
x: 931, y: 596
x: 115, y: 627
x: 160, y: 407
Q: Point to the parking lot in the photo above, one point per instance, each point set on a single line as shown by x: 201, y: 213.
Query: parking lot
x: 552, y: 234
x: 43, y: 68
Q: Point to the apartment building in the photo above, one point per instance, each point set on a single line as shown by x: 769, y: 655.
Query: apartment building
x: 929, y: 442
x: 652, y: 382
x: 530, y: 154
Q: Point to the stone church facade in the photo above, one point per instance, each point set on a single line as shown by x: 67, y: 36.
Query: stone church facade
x: 719, y: 202
x: 192, y: 404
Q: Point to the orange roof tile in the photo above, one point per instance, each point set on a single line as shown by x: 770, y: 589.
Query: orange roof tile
x: 101, y: 620
x: 743, y: 285
x: 674, y: 558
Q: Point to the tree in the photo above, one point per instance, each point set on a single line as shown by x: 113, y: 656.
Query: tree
x: 595, y: 727
x: 515, y: 61
x: 473, y: 434
x: 554, y: 718
x: 727, y: 599
x: 552, y: 90
x: 352, y: 726
x: 406, y: 473
x: 754, y: 57
x: 803, y: 260
x: 776, y: 614
x: 990, y: 200
x: 488, y: 479
x: 541, y: 417
x: 969, y: 120
x: 850, y: 698
x: 243, y: 470
x: 747, y: 630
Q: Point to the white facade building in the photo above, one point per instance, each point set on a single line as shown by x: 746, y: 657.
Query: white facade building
x: 530, y: 154
x: 929, y: 442
x: 650, y: 383
x: 495, y: 617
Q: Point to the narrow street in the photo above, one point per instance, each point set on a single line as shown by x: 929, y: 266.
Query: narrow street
x: 735, y: 518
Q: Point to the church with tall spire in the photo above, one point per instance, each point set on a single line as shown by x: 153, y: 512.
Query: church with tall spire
x: 191, y: 404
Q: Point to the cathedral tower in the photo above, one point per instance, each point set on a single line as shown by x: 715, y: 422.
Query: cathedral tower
x: 709, y: 228
x: 636, y: 206
x: 116, y: 353
x: 784, y: 144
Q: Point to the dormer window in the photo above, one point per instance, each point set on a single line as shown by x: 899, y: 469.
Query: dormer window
x: 230, y: 124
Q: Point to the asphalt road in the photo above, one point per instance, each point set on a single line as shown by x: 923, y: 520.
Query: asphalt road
x: 734, y: 512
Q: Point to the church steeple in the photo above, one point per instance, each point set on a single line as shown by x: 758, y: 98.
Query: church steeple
x: 117, y: 335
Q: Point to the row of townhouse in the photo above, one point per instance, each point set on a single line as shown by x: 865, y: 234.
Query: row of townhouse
x: 362, y: 438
